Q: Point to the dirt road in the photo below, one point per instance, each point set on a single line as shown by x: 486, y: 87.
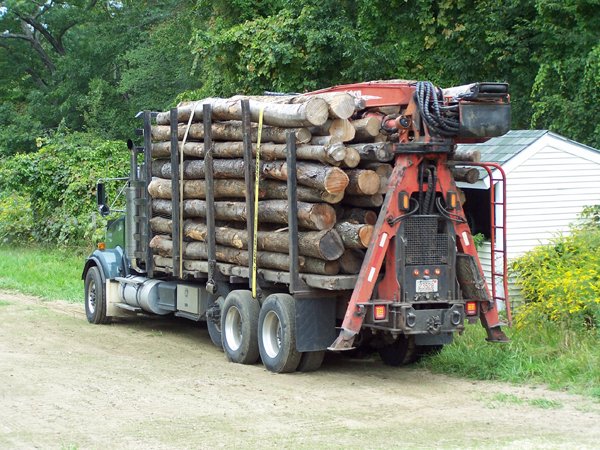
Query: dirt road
x: 157, y: 383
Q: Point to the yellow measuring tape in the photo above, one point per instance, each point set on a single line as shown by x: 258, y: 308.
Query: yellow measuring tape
x: 256, y: 193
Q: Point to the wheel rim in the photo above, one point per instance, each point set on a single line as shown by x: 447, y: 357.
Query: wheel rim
x: 91, y: 297
x: 271, y: 334
x: 233, y: 328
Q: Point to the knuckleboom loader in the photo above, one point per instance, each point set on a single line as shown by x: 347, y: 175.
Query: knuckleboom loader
x: 420, y: 279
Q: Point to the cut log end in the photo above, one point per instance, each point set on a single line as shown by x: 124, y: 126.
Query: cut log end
x: 365, y: 234
x: 336, y: 181
x: 352, y: 158
x: 323, y: 216
x: 317, y: 111
x: 362, y: 182
x: 331, y: 246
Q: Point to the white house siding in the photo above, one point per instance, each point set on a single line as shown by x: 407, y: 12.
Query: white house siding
x: 485, y: 258
x: 547, y: 191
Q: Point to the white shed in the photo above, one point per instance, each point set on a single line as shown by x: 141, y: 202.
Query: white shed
x: 549, y: 180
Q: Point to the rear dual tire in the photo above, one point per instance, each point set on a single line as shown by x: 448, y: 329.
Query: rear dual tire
x: 249, y: 331
x: 277, y: 334
x: 239, y: 324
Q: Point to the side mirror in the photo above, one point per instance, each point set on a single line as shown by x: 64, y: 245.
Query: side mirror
x: 101, y: 200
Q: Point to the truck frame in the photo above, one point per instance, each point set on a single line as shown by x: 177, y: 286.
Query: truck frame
x: 421, y: 278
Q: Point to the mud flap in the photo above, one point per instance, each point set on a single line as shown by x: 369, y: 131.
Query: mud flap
x: 315, y: 323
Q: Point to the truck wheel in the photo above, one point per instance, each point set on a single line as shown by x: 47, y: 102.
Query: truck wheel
x: 95, y: 297
x: 311, y: 361
x: 239, y: 323
x: 277, y: 334
x: 402, y: 351
x: 213, y: 322
x: 428, y: 350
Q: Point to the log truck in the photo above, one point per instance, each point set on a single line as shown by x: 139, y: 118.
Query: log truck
x: 421, y: 278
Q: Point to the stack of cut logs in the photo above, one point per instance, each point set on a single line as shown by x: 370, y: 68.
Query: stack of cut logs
x: 343, y: 166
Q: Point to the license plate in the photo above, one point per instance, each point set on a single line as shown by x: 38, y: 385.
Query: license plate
x: 427, y: 286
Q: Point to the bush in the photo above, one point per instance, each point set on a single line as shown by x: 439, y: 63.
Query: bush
x: 49, y: 196
x: 561, y: 281
x: 16, y: 219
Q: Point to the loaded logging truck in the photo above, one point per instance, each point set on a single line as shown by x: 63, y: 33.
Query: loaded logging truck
x: 303, y: 223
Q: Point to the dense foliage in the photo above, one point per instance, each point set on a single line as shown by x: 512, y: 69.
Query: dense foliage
x: 561, y: 281
x: 89, y: 66
x: 48, y: 196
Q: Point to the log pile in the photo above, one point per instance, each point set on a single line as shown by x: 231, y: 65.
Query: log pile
x: 343, y: 168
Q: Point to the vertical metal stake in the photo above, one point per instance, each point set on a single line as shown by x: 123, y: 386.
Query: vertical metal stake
x: 210, y: 194
x: 175, y: 192
x: 146, y: 232
x: 248, y: 178
x: 295, y: 282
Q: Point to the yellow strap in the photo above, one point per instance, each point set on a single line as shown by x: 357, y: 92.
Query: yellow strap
x: 256, y: 193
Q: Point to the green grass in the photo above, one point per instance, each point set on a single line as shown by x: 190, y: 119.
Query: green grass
x: 52, y: 274
x: 549, y: 354
x: 503, y: 399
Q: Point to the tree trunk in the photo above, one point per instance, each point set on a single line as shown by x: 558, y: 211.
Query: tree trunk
x: 325, y: 245
x: 358, y: 215
x: 195, y: 169
x: 467, y: 174
x: 161, y: 188
x: 231, y: 131
x: 341, y: 129
x: 362, y: 182
x: 366, y: 129
x: 278, y: 190
x: 463, y: 153
x: 341, y: 105
x: 384, y: 171
x: 351, y: 261
x: 269, y: 260
x: 327, y: 178
x: 354, y: 235
x: 352, y: 158
x: 312, y: 216
x: 381, y: 151
x: 327, y: 154
x: 325, y: 140
x: 313, y: 112
x: 275, y: 190
x: 363, y: 201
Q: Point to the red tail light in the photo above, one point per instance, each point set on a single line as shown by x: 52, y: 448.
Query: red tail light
x: 379, y: 312
x: 471, y: 308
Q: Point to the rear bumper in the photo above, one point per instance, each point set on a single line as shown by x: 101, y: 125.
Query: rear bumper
x: 405, y: 319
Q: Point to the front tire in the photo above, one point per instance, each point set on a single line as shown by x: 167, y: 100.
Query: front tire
x: 239, y: 323
x: 277, y: 334
x: 95, y: 297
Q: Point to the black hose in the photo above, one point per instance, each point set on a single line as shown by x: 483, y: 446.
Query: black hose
x: 447, y: 214
x: 442, y: 120
x: 427, y: 207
